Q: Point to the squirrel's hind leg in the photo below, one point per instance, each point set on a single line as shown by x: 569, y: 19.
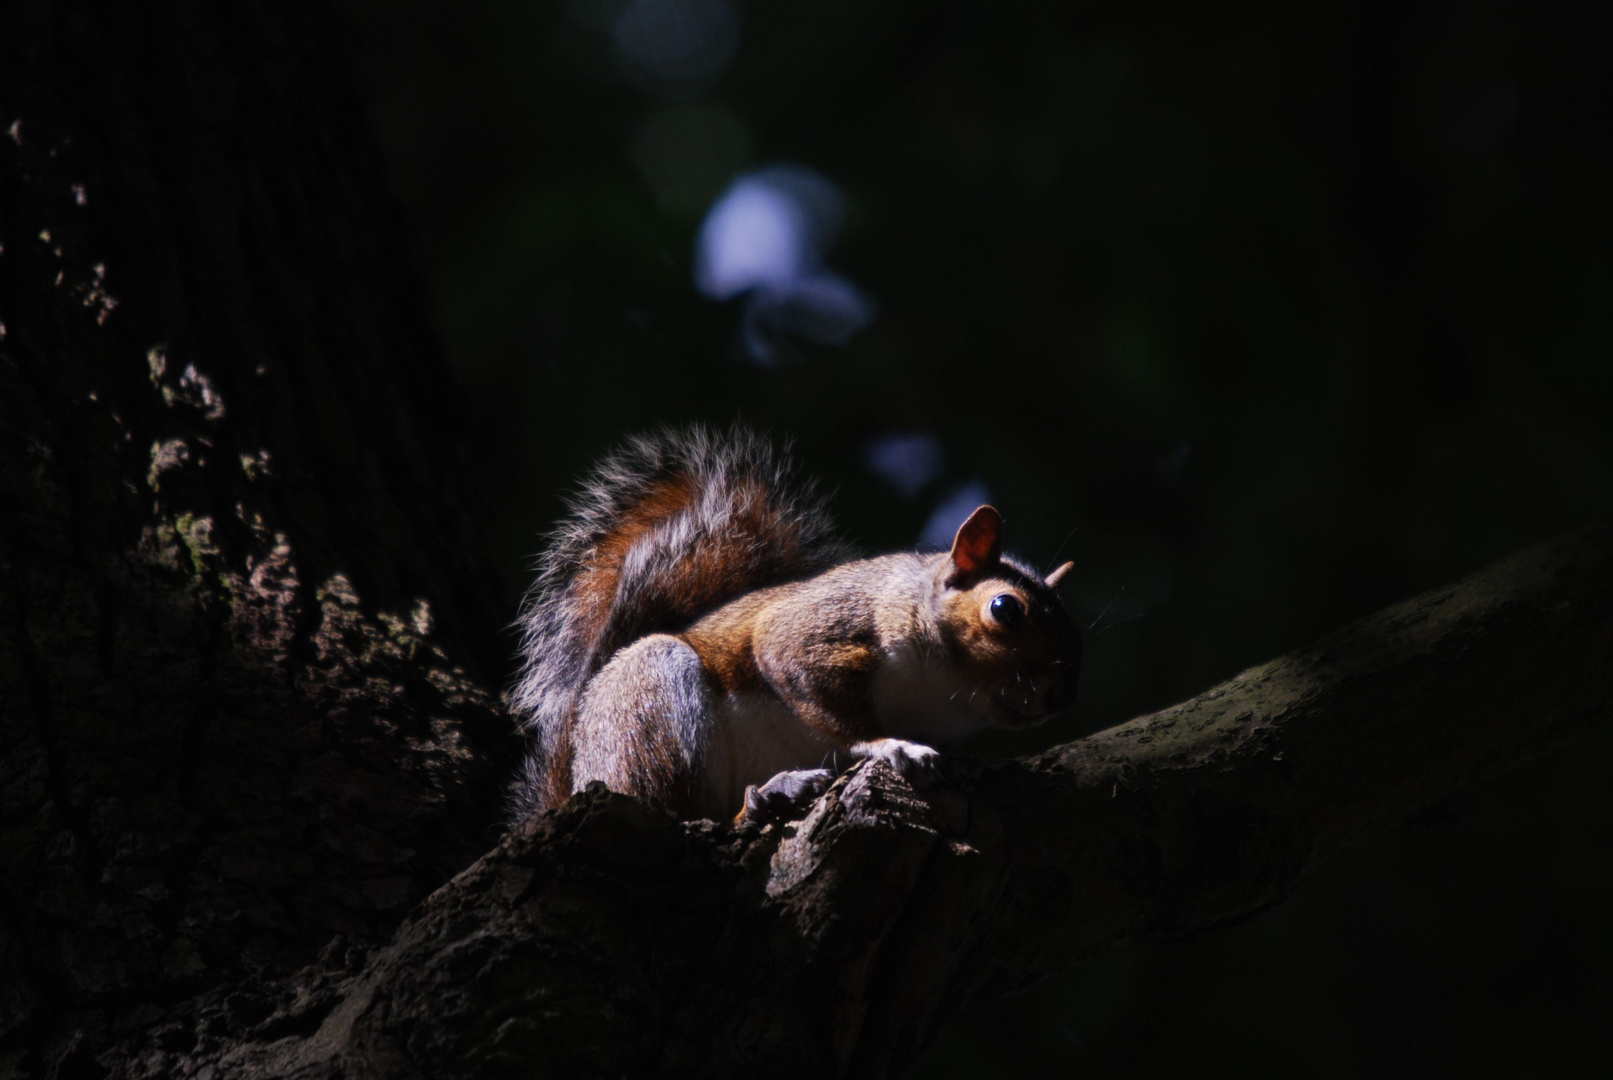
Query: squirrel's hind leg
x: 644, y: 726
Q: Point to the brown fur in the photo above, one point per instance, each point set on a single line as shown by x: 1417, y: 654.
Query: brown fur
x: 659, y: 533
x: 691, y: 634
x: 595, y: 586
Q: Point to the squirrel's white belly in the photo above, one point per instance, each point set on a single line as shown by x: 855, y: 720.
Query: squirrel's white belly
x: 918, y: 699
x: 756, y: 738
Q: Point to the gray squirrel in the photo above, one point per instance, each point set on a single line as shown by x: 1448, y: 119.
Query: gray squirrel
x: 697, y: 636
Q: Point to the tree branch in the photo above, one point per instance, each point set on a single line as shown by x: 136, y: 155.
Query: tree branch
x: 609, y: 939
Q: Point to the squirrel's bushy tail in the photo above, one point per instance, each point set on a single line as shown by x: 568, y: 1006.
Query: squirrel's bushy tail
x: 666, y: 529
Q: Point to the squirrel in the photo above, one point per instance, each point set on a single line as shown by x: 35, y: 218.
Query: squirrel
x: 697, y: 636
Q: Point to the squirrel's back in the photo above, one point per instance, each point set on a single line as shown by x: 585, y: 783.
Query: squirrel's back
x: 666, y: 529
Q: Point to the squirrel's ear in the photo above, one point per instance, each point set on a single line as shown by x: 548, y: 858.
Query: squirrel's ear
x: 1057, y: 576
x: 979, y: 542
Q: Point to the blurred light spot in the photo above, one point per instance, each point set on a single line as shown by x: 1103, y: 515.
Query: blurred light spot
x: 826, y: 310
x: 906, y: 460
x: 676, y: 48
x: 953, y: 511
x: 769, y: 228
x: 686, y: 153
x: 766, y: 237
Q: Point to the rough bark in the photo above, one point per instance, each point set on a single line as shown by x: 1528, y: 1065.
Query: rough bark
x: 608, y: 939
x: 246, y: 651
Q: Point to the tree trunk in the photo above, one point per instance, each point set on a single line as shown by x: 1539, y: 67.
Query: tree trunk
x: 244, y: 628
x: 249, y: 659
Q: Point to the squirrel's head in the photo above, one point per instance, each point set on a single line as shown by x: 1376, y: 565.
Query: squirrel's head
x: 1006, y: 628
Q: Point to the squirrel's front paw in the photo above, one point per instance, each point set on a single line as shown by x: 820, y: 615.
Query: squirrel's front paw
x: 915, y: 761
x: 785, y: 792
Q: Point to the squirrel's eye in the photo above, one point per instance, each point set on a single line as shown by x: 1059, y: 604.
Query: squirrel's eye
x: 1007, y: 609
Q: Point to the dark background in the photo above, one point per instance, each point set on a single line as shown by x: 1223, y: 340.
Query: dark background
x: 1266, y: 318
